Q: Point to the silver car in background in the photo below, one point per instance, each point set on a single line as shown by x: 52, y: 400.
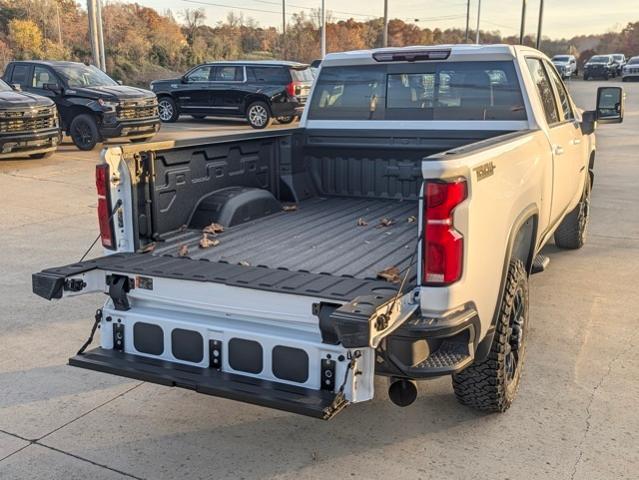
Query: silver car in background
x: 566, y: 65
x: 631, y: 70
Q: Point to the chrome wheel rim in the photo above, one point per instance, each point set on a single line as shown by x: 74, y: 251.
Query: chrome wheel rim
x: 165, y: 110
x: 258, y: 115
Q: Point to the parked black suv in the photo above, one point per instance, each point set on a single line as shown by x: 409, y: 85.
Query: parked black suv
x: 602, y: 66
x: 258, y: 91
x: 92, y: 106
x: 28, y: 124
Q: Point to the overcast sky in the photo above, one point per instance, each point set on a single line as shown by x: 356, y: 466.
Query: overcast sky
x: 562, y: 18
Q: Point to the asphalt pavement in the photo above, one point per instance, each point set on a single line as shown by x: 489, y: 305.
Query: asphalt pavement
x: 576, y: 416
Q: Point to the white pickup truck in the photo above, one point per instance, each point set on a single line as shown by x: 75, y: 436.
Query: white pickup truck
x: 392, y: 233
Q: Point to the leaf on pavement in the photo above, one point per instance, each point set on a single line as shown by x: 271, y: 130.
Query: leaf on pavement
x: 390, y: 274
x: 361, y: 222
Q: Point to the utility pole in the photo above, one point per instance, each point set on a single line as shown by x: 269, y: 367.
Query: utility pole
x: 523, y: 22
x: 541, y: 21
x: 478, y: 15
x: 284, y: 27
x: 323, y: 40
x: 385, y: 32
x: 468, y: 20
x: 93, y: 32
x: 98, y: 14
x: 57, y: 13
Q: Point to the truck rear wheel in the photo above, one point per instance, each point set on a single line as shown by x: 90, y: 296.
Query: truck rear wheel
x: 84, y: 132
x: 571, y: 233
x: 491, y: 385
x: 258, y: 115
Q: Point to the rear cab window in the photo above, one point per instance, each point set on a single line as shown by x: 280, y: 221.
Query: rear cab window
x: 468, y: 90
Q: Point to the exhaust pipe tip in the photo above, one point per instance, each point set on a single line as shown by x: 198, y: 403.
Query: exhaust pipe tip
x: 402, y: 391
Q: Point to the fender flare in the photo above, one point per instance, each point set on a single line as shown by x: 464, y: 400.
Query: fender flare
x: 522, y: 244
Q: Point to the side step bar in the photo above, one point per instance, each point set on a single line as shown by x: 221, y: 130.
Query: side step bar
x: 320, y: 404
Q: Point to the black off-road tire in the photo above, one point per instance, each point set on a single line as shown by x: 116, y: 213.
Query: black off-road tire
x: 84, y: 132
x: 168, y: 110
x: 258, y: 115
x: 491, y: 385
x: 571, y: 233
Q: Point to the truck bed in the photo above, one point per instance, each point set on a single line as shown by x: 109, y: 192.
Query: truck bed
x: 321, y: 236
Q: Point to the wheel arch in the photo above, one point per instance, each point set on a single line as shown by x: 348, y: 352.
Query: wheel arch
x: 591, y: 168
x: 522, y: 245
x: 256, y: 97
x: 74, y: 110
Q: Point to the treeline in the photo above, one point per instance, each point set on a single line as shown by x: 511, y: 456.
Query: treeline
x: 143, y: 44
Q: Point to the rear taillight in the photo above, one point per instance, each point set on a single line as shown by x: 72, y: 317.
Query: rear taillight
x: 102, y: 182
x: 443, y: 246
x: 294, y: 88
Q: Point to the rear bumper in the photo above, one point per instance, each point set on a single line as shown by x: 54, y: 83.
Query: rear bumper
x: 287, y: 109
x: 314, y: 403
x: 131, y: 128
x: 29, y: 143
x: 425, y: 347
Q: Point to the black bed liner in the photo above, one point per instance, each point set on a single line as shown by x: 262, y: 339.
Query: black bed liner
x: 321, y: 236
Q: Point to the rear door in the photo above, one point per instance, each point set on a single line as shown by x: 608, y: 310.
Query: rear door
x: 561, y: 134
x: 226, y: 92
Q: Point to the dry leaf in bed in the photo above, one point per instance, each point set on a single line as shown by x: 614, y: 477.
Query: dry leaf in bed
x: 213, y: 229
x: 390, y: 274
x: 385, y: 222
x: 183, y: 251
x: 244, y: 263
x: 183, y: 228
x: 412, y: 219
x: 289, y: 208
x: 148, y: 248
x: 206, y: 242
x: 361, y: 222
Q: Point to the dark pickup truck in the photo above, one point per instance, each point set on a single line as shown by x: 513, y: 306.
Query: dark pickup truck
x: 28, y: 124
x: 92, y: 106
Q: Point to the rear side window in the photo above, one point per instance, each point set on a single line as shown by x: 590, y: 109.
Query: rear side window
x: 268, y: 74
x: 20, y: 75
x: 302, y: 74
x: 546, y: 95
x: 228, y: 74
x: 420, y: 91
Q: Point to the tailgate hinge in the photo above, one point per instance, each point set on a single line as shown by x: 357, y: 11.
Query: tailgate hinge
x: 119, y: 286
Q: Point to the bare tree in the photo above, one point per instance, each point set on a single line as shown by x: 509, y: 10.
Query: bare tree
x: 193, y: 18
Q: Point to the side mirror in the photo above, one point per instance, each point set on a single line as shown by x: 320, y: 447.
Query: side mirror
x: 52, y: 87
x: 185, y: 79
x: 16, y: 87
x: 610, y: 105
x: 119, y: 82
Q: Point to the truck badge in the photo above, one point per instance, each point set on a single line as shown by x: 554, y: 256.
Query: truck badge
x: 485, y: 170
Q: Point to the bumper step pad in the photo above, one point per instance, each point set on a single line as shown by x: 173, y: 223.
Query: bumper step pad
x: 450, y: 356
x: 540, y: 263
x: 314, y: 403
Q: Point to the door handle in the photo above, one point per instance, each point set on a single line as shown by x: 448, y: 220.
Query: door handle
x: 558, y: 150
x: 576, y: 141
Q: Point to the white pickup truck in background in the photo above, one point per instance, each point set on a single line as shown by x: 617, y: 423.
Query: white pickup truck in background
x: 392, y: 233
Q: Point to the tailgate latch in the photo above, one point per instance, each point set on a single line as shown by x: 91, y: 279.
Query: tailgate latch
x: 119, y: 286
